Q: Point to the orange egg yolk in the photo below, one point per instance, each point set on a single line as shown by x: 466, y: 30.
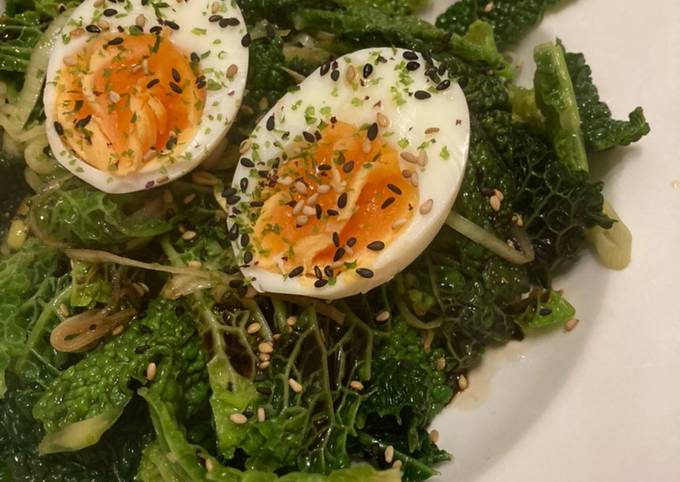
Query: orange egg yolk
x: 124, y: 99
x: 337, y: 202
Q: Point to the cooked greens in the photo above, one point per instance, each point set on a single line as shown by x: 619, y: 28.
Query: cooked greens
x: 185, y: 373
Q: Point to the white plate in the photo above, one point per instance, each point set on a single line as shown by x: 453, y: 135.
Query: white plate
x: 601, y: 403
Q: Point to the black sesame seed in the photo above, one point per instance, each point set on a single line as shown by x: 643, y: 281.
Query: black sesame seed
x: 172, y: 142
x: 442, y: 69
x: 422, y: 95
x: 296, y: 272
x: 336, y: 239
x: 444, y: 84
x: 175, y: 75
x: 372, y: 132
x: 368, y: 70
x: 317, y: 135
x: 59, y: 128
x: 201, y: 83
x: 328, y: 271
x: 82, y: 123
x: 320, y: 283
x: 318, y: 210
x: 115, y: 41
x: 339, y: 253
x: 332, y: 212
x: 408, y: 55
x: 156, y: 29
x: 364, y: 272
x: 151, y: 83
x: 309, y: 137
x: 271, y: 123
x: 317, y: 272
x: 248, y: 257
x: 387, y: 203
x: 351, y: 242
x: 110, y: 12
x: 175, y: 88
x: 335, y: 75
x: 243, y: 183
x: 229, y: 22
x: 376, y: 246
x: 93, y: 29
x: 245, y: 162
x: 231, y: 200
x: 233, y: 232
x: 381, y: 60
x: 141, y: 349
x: 324, y: 69
x: 256, y: 204
x: 412, y: 65
x: 245, y: 240
x: 195, y: 58
x: 394, y: 189
x: 171, y: 24
x: 230, y: 191
x: 214, y: 18
x: 348, y: 167
x: 62, y: 8
x: 245, y: 41
x: 545, y: 311
x: 324, y: 167
x: 342, y: 200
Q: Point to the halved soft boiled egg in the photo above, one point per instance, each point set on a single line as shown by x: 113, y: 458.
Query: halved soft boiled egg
x: 348, y: 178
x: 139, y: 92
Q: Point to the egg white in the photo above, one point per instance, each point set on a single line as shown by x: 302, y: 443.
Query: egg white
x: 218, y: 47
x: 389, y: 89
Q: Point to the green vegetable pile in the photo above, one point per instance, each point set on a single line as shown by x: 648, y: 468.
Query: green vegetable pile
x: 130, y: 350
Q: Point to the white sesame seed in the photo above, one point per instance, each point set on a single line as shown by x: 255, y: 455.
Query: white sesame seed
x: 232, y: 70
x: 301, y: 220
x: 383, y: 120
x: 266, y: 347
x: 189, y: 198
x: 440, y: 364
x: 118, y: 330
x: 397, y: 465
x: 409, y: 157
x: 140, y: 21
x: 145, y: 65
x: 103, y: 24
x: 297, y: 209
x: 463, y: 382
x: 366, y: 147
x: 151, y: 371
x: 389, y: 454
x: 194, y: 263
x: 209, y: 465
x: 434, y: 436
x: 323, y: 188
x: 63, y: 310
x: 300, y: 187
x: 311, y: 200
x: 498, y: 194
x: 98, y: 3
x: 215, y: 7
x: 495, y: 203
x: 264, y: 357
x: 383, y: 316
x: 285, y: 181
x: 571, y: 324
x: 245, y: 146
x: 518, y: 220
x: 294, y: 385
x: 426, y: 207
x: 150, y: 154
x: 238, y: 418
x: 70, y: 60
x: 114, y: 96
x: 308, y: 211
x: 356, y: 385
x: 398, y: 223
x: 204, y: 178
x: 189, y: 235
x: 264, y: 365
x: 253, y: 328
x: 488, y: 7
x: 414, y: 179
x: 291, y: 321
x: 277, y: 336
x: 349, y: 250
x: 406, y: 173
x: 350, y: 74
x: 431, y: 130
x: 76, y: 32
x: 422, y: 158
x: 261, y: 414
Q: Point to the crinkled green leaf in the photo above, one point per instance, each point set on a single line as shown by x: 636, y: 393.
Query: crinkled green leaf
x: 548, y: 310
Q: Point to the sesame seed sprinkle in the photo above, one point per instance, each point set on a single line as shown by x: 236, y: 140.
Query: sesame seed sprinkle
x: 394, y: 189
x: 291, y: 321
x: 431, y: 130
x: 265, y: 347
x: 422, y: 158
x: 342, y: 200
x: 300, y: 187
x: 261, y: 415
x: 253, y: 328
x: 297, y: 271
x: 409, y: 157
x: 151, y: 370
x: 294, y: 385
x: 571, y: 324
x: 297, y: 209
x: 383, y: 120
x: 389, y: 454
x: 238, y: 418
x: 232, y: 70
x: 376, y: 246
x: 463, y: 382
x: 422, y: 95
x: 301, y: 220
x: 320, y: 283
x: 426, y: 207
x: 495, y: 203
x: 189, y: 235
x: 434, y: 436
x: 364, y: 273
x: 383, y: 316
x: 398, y: 223
x: 367, y: 70
x: 350, y: 74
x: 356, y: 385
x: 309, y: 211
x: 387, y: 202
x: 372, y: 131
